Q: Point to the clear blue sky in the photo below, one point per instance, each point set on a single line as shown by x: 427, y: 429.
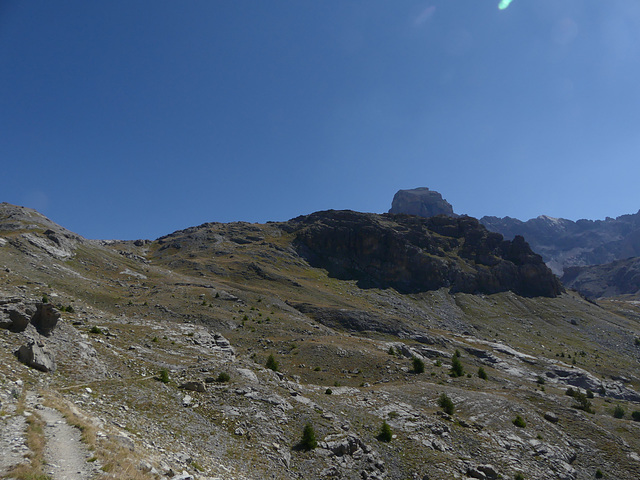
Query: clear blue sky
x: 129, y: 119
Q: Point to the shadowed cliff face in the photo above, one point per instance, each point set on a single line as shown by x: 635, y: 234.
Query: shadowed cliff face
x: 413, y: 254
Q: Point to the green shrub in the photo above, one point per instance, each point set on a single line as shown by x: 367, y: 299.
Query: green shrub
x: 164, y: 375
x: 223, y: 377
x: 599, y: 473
x: 618, y: 412
x: 446, y: 404
x: 635, y: 415
x: 391, y: 351
x: 308, y: 441
x: 540, y: 380
x: 518, y: 476
x: 328, y: 391
x: 590, y: 394
x: 482, y: 374
x: 519, y: 422
x: 45, y: 299
x: 418, y: 365
x: 583, y: 402
x: 95, y: 330
x: 385, y: 434
x: 272, y: 363
x: 570, y: 392
x: 457, y: 370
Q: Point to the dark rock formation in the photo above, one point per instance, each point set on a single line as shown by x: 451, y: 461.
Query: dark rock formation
x: 414, y: 254
x: 36, y: 355
x: 420, y: 201
x: 15, y: 317
x: 46, y: 318
x: 616, y: 278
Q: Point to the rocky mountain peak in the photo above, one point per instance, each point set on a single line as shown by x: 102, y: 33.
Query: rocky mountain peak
x: 422, y: 202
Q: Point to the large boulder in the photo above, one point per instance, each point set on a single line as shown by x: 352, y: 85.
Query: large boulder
x: 36, y: 355
x: 45, y: 319
x: 14, y: 318
x: 420, y: 201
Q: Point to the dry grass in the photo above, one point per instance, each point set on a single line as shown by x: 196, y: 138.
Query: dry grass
x: 32, y: 470
x: 115, y: 460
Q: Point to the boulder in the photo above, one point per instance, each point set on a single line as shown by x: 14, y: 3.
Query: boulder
x: 15, y: 316
x: 36, y: 355
x: 193, y: 386
x: 45, y: 319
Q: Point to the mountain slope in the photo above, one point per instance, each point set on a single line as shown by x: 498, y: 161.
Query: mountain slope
x: 220, y: 298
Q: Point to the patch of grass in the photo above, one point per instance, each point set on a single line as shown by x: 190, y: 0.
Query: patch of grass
x: 36, y: 443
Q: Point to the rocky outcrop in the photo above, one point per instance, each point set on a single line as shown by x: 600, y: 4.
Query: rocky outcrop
x: 15, y: 316
x: 413, y: 254
x: 422, y: 202
x: 45, y: 319
x: 36, y: 355
x: 617, y: 278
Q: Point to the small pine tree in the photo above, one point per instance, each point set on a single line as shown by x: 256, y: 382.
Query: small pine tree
x: 164, y: 375
x: 635, y: 415
x: 45, y: 299
x: 599, y: 473
x: 583, y: 402
x: 457, y: 370
x: 308, y: 441
x: 391, y: 351
x: 272, y: 363
x: 618, y: 412
x: 418, y: 365
x: 385, y: 434
x: 446, y: 404
x: 482, y: 374
x: 518, y: 476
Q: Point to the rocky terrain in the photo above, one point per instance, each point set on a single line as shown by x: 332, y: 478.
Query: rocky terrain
x: 609, y: 280
x: 206, y: 353
x: 563, y: 244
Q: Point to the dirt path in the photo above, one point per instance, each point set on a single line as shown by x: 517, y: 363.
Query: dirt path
x: 66, y: 457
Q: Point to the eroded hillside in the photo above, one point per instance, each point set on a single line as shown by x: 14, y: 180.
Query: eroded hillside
x: 162, y: 359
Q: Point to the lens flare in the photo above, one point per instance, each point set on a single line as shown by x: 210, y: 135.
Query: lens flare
x: 504, y: 4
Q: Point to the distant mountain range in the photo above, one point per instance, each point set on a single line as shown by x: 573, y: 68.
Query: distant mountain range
x: 565, y: 245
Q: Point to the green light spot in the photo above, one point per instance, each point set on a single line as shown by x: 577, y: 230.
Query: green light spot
x: 504, y: 4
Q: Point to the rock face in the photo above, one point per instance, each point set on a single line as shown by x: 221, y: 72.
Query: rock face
x: 414, y: 254
x: 45, y: 319
x: 616, y: 278
x: 565, y: 243
x: 422, y: 202
x: 36, y: 355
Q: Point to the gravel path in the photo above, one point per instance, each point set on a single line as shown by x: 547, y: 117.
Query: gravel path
x: 65, y: 455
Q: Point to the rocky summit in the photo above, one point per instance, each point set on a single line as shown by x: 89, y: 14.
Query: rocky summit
x: 335, y: 345
x: 420, y: 201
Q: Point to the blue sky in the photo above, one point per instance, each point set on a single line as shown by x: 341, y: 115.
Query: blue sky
x: 130, y: 119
